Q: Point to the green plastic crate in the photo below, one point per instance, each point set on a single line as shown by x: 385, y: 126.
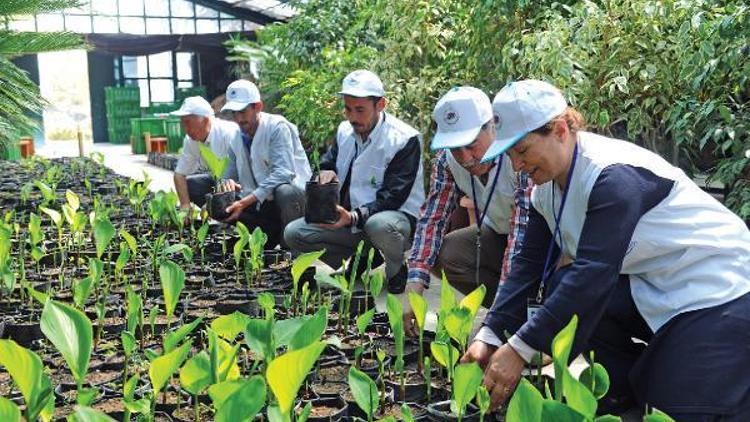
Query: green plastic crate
x: 10, y: 151
x: 137, y: 143
x: 118, y: 136
x: 182, y: 93
x: 122, y: 93
x: 175, y: 134
x: 162, y: 108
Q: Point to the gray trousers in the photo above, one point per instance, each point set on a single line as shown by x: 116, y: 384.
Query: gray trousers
x: 457, y: 257
x: 387, y: 231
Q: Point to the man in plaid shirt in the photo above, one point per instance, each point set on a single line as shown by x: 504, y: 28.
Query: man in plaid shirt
x: 466, y: 127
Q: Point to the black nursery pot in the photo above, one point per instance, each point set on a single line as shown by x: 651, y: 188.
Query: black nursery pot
x: 441, y: 411
x: 321, y: 202
x: 217, y: 203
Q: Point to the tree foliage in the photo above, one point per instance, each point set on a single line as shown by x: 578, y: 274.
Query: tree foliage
x: 671, y: 76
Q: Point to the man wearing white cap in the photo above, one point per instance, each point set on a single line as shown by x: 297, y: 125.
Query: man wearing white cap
x: 267, y: 165
x: 473, y: 255
x: 377, y: 160
x: 191, y: 179
x: 654, y: 259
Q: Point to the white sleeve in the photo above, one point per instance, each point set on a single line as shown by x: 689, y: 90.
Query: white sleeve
x: 189, y: 161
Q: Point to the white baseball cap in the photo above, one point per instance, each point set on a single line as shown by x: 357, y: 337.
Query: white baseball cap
x: 460, y: 115
x: 521, y: 107
x: 240, y: 94
x: 197, y: 106
x: 362, y: 83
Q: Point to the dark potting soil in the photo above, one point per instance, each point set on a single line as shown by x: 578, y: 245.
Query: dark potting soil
x: 394, y: 409
x: 336, y: 373
x: 330, y: 388
x: 110, y: 406
x: 323, y: 411
x: 187, y: 413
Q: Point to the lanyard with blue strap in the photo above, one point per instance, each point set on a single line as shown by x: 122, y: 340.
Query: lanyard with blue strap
x: 480, y: 215
x: 556, y: 234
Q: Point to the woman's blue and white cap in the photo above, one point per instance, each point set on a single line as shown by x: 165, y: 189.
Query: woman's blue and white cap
x: 459, y: 115
x: 519, y: 108
x: 362, y: 83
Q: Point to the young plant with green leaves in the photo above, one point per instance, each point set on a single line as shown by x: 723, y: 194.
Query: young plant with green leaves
x: 71, y: 332
x: 419, y: 306
x: 57, y: 219
x: 257, y: 245
x: 36, y: 239
x: 468, y: 378
x: 286, y: 374
x: 396, y: 319
x: 217, y: 167
x: 27, y: 371
x: 200, y: 237
x: 7, y: 272
x: 299, y: 266
x: 172, y: 282
x: 365, y: 392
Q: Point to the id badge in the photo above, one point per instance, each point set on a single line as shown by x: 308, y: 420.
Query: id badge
x: 532, y: 308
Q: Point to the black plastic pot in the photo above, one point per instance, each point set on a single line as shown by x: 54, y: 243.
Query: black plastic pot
x: 333, y: 402
x: 217, y: 204
x: 441, y: 411
x: 321, y: 202
x: 413, y: 392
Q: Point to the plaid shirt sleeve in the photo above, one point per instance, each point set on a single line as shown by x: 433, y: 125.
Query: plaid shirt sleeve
x: 432, y: 223
x: 518, y: 222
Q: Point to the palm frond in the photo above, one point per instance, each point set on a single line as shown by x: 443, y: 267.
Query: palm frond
x: 14, y: 43
x: 19, y: 101
x: 30, y: 7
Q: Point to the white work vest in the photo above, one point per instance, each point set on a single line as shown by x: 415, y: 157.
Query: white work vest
x: 689, y: 252
x: 501, y: 204
x: 388, y: 137
x: 260, y: 159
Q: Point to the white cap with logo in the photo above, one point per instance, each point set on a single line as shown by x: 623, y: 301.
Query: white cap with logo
x: 361, y: 84
x: 197, y: 106
x: 459, y: 115
x: 521, y: 107
x: 240, y: 94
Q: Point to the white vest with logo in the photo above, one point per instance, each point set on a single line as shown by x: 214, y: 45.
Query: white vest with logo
x: 501, y: 204
x: 689, y: 252
x: 369, y: 167
x: 259, y: 160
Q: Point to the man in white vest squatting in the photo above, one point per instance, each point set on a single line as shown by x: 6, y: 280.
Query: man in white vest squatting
x: 191, y: 179
x: 472, y: 255
x: 377, y: 160
x: 267, y: 164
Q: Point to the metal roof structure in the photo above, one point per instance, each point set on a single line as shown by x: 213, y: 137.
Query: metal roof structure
x: 275, y: 10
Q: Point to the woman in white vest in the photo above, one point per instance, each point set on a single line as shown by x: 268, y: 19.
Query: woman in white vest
x: 654, y: 258
x: 267, y: 165
x: 377, y: 160
x: 472, y: 255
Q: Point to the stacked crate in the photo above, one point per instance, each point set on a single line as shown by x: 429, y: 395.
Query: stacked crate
x: 194, y: 91
x: 123, y: 104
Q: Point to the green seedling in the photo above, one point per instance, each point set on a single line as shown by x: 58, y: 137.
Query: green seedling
x: 7, y: 274
x: 365, y: 392
x: 200, y: 236
x: 239, y: 247
x: 57, y: 219
x: 445, y: 354
x: 162, y: 367
x: 286, y: 373
x: 216, y: 166
x: 483, y: 402
x: 172, y: 282
x: 238, y: 400
x: 36, y: 239
x: 300, y: 265
x: 258, y: 241
x: 468, y: 378
x: 27, y: 371
x: 70, y: 331
x: 396, y: 319
x: 419, y: 307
